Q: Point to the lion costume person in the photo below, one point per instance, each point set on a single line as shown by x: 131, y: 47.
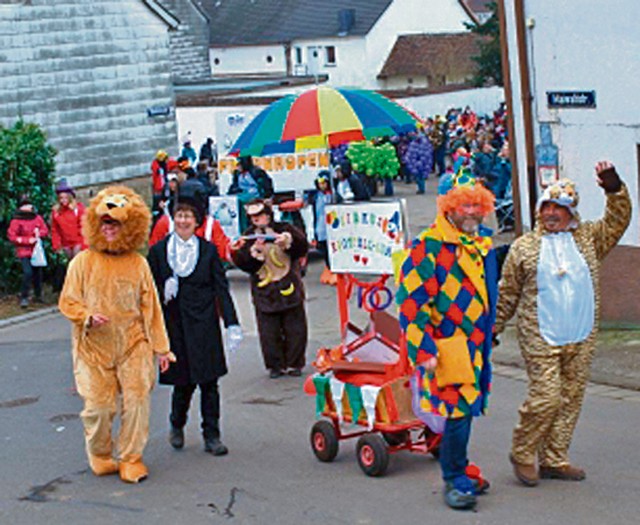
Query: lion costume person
x: 110, y: 297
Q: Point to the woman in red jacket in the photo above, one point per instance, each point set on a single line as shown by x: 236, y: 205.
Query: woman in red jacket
x: 66, y: 222
x: 24, y: 230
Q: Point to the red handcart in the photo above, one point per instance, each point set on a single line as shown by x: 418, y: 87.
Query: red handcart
x: 363, y: 385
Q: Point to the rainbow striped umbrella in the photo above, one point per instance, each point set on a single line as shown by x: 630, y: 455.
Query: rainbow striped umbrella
x: 322, y: 117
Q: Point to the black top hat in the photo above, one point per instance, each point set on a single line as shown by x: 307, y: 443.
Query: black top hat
x: 195, y: 204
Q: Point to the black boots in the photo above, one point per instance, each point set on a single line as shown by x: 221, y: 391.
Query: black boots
x: 215, y: 446
x: 176, y: 437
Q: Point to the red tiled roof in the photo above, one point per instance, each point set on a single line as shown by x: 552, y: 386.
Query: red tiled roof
x: 432, y: 55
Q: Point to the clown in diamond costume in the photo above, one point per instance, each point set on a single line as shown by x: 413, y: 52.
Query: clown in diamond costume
x: 447, y: 295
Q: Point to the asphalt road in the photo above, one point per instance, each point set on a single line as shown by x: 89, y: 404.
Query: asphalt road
x: 271, y: 475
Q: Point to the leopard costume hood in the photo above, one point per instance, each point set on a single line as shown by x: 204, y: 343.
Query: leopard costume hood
x: 125, y: 206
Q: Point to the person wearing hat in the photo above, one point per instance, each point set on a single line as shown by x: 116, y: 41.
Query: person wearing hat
x: 270, y: 252
x: 209, y: 227
x: 446, y: 295
x: 66, y: 222
x: 25, y: 228
x: 551, y: 280
x: 188, y: 152
x: 195, y: 293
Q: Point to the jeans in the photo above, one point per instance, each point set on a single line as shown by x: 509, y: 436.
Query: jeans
x: 388, y: 186
x: 209, y: 407
x: 439, y: 155
x: 30, y: 274
x: 453, y: 448
x: 420, y: 177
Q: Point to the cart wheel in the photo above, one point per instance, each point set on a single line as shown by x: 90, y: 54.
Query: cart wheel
x: 433, y: 442
x: 324, y: 441
x: 373, y: 456
x: 395, y: 439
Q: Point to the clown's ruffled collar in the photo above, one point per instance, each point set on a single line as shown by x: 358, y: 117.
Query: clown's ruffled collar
x: 447, y: 232
x: 472, y: 249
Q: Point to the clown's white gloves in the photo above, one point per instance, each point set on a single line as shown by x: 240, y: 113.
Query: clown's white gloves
x: 234, y: 338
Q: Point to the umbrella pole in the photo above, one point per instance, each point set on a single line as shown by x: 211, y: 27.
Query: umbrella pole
x: 331, y: 185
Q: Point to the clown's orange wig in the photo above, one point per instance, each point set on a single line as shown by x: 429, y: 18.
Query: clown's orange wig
x: 459, y: 195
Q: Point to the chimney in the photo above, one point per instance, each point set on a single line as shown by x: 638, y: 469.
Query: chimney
x: 346, y: 21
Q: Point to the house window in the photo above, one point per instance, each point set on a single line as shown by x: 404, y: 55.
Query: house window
x: 298, y: 55
x: 330, y: 56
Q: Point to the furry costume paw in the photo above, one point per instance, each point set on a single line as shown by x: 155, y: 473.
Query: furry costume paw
x: 133, y: 472
x: 103, y: 466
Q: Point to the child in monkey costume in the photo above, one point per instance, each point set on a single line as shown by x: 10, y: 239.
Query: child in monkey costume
x: 110, y: 297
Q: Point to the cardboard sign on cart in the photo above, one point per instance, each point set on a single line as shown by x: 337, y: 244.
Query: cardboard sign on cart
x: 363, y: 236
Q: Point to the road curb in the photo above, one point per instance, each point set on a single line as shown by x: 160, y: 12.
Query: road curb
x: 17, y: 319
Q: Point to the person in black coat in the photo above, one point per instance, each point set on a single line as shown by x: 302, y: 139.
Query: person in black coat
x: 270, y: 252
x: 195, y: 292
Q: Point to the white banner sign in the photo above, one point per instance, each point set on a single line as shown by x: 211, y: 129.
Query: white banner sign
x: 225, y: 210
x: 289, y: 171
x: 361, y: 237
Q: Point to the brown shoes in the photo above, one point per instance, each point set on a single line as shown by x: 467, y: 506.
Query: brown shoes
x: 566, y: 473
x: 526, y: 474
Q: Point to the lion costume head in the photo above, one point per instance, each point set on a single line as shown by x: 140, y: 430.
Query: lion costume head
x: 125, y: 206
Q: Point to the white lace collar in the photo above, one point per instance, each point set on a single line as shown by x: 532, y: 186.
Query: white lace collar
x: 182, y: 256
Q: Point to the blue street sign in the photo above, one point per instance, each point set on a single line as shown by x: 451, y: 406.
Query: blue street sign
x: 571, y: 99
x: 159, y: 111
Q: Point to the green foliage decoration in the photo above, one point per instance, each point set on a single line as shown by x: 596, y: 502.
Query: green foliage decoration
x: 27, y: 167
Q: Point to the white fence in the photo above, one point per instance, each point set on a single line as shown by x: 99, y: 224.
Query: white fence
x: 481, y: 100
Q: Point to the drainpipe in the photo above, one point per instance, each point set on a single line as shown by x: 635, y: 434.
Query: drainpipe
x: 526, y: 100
x: 287, y: 58
x: 508, y: 93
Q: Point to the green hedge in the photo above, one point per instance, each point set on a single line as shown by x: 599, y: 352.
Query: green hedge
x: 27, y: 166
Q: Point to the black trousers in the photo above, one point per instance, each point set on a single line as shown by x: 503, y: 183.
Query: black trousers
x: 209, y: 407
x: 283, y: 338
x: 30, y: 274
x: 324, y: 251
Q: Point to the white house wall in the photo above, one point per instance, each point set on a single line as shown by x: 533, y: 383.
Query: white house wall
x: 248, y: 59
x: 87, y: 72
x: 401, y: 82
x: 593, y: 48
x: 404, y: 17
x: 350, y: 69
